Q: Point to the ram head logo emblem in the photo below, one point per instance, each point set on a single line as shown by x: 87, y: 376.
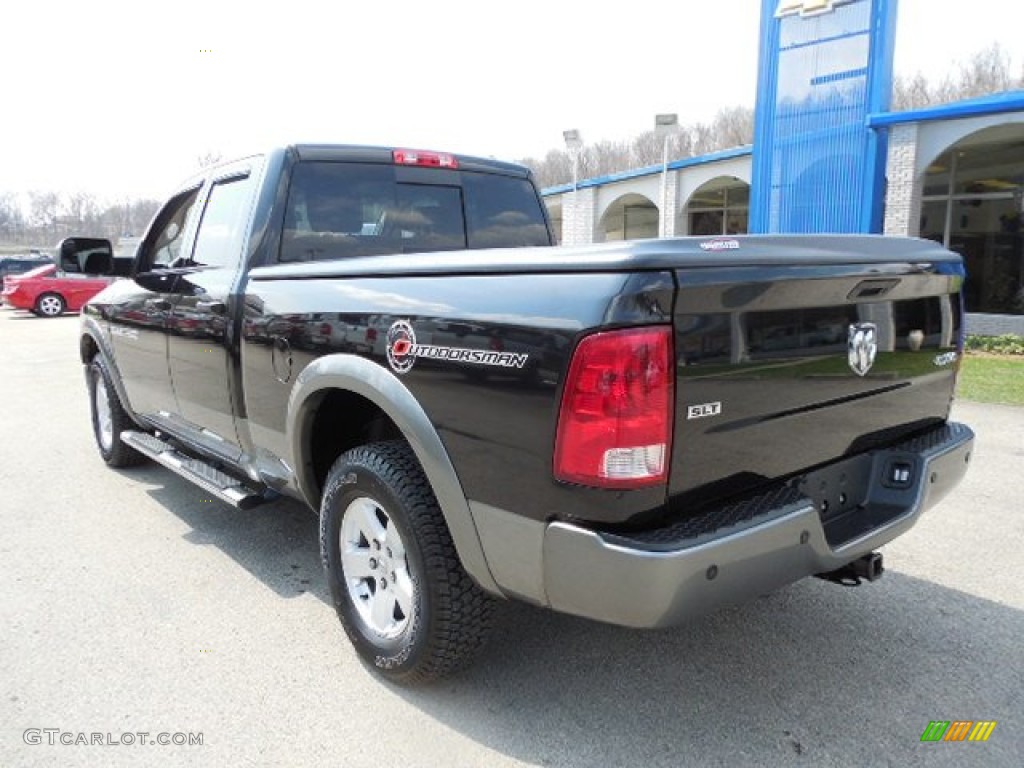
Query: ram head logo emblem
x: 862, y: 347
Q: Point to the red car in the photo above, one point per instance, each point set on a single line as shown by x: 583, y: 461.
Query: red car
x: 49, y: 292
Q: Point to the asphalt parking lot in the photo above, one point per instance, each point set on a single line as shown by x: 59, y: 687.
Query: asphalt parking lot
x: 132, y: 603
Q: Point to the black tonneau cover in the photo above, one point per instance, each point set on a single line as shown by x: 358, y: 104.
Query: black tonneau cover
x: 639, y: 255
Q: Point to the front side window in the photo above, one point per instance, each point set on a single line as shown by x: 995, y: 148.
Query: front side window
x: 222, y: 228
x: 162, y: 246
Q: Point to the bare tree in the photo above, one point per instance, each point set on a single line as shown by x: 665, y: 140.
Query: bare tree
x: 730, y: 128
x: 555, y: 168
x: 44, y: 208
x: 987, y: 71
x: 12, y: 221
x: 703, y: 138
x: 605, y: 157
x: 911, y: 92
x: 80, y: 215
x: 648, y: 148
x: 733, y: 127
x: 142, y: 211
x: 129, y: 218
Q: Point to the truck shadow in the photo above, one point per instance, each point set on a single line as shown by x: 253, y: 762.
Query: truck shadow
x: 812, y: 670
x: 276, y: 542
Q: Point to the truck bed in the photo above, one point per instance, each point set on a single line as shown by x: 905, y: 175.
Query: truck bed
x: 761, y: 338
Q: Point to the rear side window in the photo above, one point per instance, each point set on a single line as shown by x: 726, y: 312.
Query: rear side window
x: 341, y: 210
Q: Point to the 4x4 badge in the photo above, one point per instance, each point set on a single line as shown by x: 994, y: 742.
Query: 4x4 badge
x: 862, y: 347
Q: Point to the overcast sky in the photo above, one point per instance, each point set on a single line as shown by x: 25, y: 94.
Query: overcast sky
x: 121, y: 98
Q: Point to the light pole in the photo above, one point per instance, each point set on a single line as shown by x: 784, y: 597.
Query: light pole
x: 573, y: 143
x: 664, y: 126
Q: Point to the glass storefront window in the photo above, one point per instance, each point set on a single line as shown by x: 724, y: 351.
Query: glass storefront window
x: 706, y: 223
x: 719, y: 208
x: 738, y: 222
x: 632, y: 218
x: 982, y: 220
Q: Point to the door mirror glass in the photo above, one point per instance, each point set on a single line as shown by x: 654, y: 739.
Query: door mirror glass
x: 86, y: 255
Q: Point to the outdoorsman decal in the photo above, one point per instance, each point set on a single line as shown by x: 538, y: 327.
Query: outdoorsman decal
x: 403, y: 350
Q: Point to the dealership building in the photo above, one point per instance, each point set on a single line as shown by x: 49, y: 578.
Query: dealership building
x: 829, y: 157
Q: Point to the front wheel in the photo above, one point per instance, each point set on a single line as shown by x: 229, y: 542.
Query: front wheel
x: 109, y: 418
x: 405, y: 601
x: 50, y: 305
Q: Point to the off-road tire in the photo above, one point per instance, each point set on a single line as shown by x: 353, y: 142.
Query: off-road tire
x: 112, y: 449
x: 450, y: 615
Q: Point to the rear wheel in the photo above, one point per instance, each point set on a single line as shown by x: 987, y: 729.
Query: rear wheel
x: 405, y: 601
x: 50, y: 305
x: 109, y: 418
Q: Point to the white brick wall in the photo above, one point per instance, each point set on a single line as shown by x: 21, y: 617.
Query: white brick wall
x: 902, y: 197
x: 994, y: 325
x: 671, y: 204
x: 578, y: 209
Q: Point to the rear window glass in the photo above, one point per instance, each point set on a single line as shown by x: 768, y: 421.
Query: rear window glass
x: 15, y: 266
x: 341, y: 210
x: 39, y: 271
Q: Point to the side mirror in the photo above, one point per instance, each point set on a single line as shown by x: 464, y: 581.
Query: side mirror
x: 90, y: 255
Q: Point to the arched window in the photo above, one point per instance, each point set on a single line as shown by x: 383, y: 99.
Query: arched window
x: 973, y: 203
x: 719, y: 207
x: 631, y: 217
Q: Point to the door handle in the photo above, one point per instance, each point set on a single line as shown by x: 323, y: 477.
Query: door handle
x: 216, y: 307
x: 160, y: 304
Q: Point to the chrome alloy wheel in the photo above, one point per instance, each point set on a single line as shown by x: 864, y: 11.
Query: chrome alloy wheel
x: 375, y: 569
x: 104, y: 419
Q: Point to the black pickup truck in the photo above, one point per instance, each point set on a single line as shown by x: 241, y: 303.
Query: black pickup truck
x: 634, y: 432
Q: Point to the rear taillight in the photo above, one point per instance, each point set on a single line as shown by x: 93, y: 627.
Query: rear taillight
x: 325, y: 329
x: 371, y: 334
x: 429, y: 159
x: 615, y: 425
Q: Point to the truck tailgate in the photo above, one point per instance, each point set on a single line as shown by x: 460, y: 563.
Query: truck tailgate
x: 781, y: 368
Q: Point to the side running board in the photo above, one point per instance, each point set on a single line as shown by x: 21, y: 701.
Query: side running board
x: 210, y: 479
